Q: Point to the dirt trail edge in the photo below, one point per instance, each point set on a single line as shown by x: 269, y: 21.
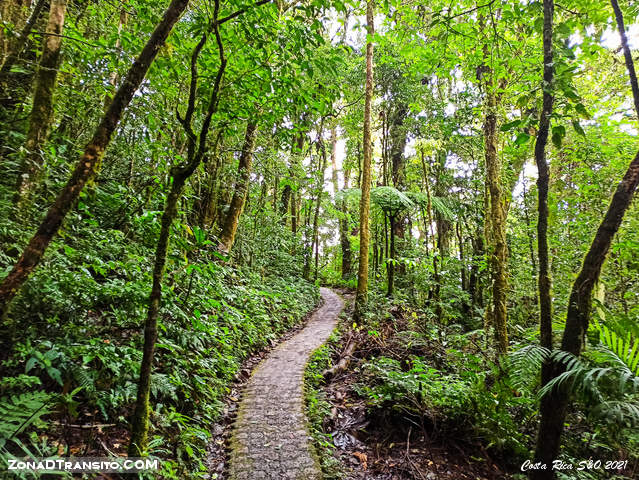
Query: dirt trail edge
x: 270, y: 438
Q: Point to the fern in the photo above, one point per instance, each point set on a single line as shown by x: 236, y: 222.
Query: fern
x: 18, y: 412
x: 626, y: 354
x: 525, y: 365
x: 599, y: 383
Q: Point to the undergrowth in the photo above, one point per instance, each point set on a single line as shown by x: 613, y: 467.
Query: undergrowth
x: 77, y: 337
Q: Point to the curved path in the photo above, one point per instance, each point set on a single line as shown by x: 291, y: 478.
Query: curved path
x: 270, y: 439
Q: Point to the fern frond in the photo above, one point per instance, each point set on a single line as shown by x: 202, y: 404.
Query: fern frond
x: 18, y: 412
x: 525, y: 365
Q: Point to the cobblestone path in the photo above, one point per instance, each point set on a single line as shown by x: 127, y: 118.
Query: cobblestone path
x: 270, y: 439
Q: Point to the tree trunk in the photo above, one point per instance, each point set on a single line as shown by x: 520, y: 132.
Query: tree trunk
x: 344, y: 234
x: 318, y: 204
x: 364, y: 208
x: 498, y: 251
x: 140, y: 420
x: 42, y: 112
x: 229, y: 229
x: 89, y: 160
x: 113, y: 76
x: 397, y: 133
x: 15, y: 51
x: 391, y: 259
x: 555, y: 405
x: 545, y: 303
x: 196, y: 148
x: 296, y: 151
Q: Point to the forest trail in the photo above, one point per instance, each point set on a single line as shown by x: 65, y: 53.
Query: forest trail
x: 270, y: 438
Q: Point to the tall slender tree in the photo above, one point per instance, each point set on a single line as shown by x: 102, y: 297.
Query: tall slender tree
x: 545, y: 303
x: 365, y: 201
x: 196, y: 150
x: 229, y: 228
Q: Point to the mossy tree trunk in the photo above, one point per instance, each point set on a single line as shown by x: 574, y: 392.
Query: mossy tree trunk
x: 12, y: 53
x: 365, y: 201
x: 229, y: 228
x: 545, y: 302
x: 42, y: 111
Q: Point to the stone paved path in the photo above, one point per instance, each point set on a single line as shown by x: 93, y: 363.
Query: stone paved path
x: 270, y: 439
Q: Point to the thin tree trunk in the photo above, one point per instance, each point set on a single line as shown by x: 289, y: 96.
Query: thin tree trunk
x: 320, y: 190
x: 14, y: 53
x: 364, y: 209
x: 287, y: 193
x: 344, y: 234
x: 42, y: 112
x: 89, y: 160
x: 555, y: 406
x: 391, y: 260
x: 113, y: 76
x: 545, y: 303
x: 227, y: 237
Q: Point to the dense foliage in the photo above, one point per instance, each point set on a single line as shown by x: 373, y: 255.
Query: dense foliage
x: 177, y: 177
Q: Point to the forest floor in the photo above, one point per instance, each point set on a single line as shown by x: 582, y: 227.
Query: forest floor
x: 270, y: 438
x: 386, y: 445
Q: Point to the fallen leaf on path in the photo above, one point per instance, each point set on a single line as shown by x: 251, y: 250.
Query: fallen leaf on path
x: 362, y: 458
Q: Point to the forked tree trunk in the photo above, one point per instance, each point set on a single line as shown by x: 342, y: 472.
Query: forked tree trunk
x: 227, y: 237
x: 365, y: 201
x: 89, y: 160
x: 42, y: 111
x: 555, y: 406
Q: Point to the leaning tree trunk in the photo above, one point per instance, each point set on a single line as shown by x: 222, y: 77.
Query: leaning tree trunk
x: 555, y: 406
x: 89, y: 160
x: 227, y: 237
x: 365, y: 201
x: 42, y: 111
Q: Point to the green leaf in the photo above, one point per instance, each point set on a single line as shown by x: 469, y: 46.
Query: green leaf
x: 522, y: 138
x: 558, y: 134
x: 581, y: 110
x: 578, y: 128
x: 510, y: 125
